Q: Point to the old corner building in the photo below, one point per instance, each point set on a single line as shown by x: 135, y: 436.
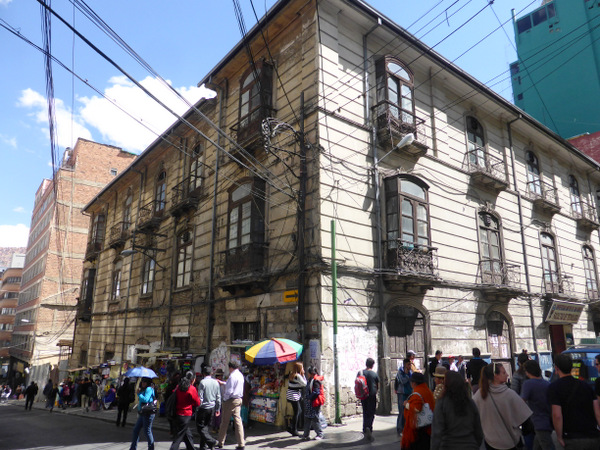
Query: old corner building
x: 460, y: 220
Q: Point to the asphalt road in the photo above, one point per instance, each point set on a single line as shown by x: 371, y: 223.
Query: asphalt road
x: 39, y: 429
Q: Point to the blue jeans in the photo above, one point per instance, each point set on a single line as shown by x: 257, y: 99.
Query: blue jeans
x: 144, y: 421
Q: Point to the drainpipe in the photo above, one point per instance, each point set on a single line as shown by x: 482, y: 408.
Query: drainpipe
x: 210, y: 294
x: 522, y: 228
x: 385, y: 399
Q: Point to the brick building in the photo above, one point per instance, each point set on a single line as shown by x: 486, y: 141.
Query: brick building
x: 10, y: 282
x: 45, y: 313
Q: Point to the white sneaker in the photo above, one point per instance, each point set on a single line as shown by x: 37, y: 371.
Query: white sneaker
x: 318, y: 438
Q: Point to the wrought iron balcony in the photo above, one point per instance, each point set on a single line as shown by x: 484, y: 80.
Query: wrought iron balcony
x: 411, y: 264
x: 544, y: 196
x: 185, y: 196
x: 585, y: 215
x: 119, y: 233
x: 248, y: 132
x: 393, y: 123
x: 487, y: 170
x: 151, y: 214
x: 499, y: 278
x: 93, y: 248
x: 244, y: 267
x: 555, y: 284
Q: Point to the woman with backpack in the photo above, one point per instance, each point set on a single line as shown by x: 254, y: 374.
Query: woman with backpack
x: 185, y: 401
x: 296, y: 382
x: 312, y: 408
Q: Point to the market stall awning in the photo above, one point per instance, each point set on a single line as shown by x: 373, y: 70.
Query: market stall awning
x: 78, y: 369
x: 274, y: 350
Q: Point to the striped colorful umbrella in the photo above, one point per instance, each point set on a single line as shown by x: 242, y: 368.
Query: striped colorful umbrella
x: 274, y: 350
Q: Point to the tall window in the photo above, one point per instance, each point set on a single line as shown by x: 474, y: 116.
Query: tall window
x: 245, y: 331
x: 407, y: 212
x: 115, y: 291
x: 475, y: 142
x: 591, y: 274
x: 534, y: 181
x: 256, y: 98
x: 246, y: 227
x: 127, y: 211
x: 549, y: 263
x: 87, y: 293
x: 491, y: 250
x: 184, y: 259
x: 160, y: 194
x: 98, y: 229
x: 576, y: 206
x: 148, y: 276
x: 196, y: 167
x: 395, y: 91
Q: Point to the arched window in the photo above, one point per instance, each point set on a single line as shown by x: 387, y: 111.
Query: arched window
x: 160, y: 193
x: 184, y: 259
x: 127, y: 211
x: 492, y: 261
x: 551, y: 274
x: 197, y: 167
x: 591, y: 274
x: 475, y: 142
x: 115, y: 291
x: 256, y: 99
x: 395, y: 92
x: 534, y: 181
x: 407, y: 212
x: 576, y: 206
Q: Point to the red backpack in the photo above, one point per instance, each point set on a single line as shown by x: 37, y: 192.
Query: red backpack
x: 361, y: 388
x: 320, y: 400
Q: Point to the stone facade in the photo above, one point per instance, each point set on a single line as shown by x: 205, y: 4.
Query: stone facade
x: 460, y: 222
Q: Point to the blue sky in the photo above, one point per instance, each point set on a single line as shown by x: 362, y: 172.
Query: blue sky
x: 182, y: 40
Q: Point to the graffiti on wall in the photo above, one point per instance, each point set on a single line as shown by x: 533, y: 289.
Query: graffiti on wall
x: 355, y: 345
x: 219, y: 358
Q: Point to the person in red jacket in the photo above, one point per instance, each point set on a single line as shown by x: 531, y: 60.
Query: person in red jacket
x: 187, y: 400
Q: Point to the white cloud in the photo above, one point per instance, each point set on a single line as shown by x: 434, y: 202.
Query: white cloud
x: 11, y: 141
x: 14, y: 235
x: 67, y: 130
x: 118, y: 128
x: 115, y: 127
x: 19, y: 209
x: 4, y: 2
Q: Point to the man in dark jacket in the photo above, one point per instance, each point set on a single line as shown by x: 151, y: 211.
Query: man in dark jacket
x: 474, y: 369
x: 30, y: 394
x: 370, y: 403
x: 125, y: 396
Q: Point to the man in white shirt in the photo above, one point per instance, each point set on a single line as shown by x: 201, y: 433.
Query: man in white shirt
x: 232, y: 404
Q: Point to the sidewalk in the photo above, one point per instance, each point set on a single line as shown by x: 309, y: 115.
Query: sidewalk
x: 348, y: 435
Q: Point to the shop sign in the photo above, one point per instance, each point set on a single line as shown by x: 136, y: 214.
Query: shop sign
x: 564, y: 312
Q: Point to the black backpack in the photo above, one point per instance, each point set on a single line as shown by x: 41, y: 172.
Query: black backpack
x: 171, y: 405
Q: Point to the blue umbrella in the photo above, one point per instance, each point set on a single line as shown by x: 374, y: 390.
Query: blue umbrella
x: 141, y: 372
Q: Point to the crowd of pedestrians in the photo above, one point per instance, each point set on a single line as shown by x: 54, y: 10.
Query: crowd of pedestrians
x: 475, y: 405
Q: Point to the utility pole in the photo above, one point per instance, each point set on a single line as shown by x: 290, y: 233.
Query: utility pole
x: 301, y: 215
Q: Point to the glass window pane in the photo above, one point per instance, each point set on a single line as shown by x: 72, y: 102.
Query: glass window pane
x: 398, y: 70
x: 413, y: 189
x: 241, y: 192
x: 421, y: 213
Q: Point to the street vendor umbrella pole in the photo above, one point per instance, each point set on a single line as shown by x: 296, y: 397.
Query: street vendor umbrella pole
x: 271, y: 351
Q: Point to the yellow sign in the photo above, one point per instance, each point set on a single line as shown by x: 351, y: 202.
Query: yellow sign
x: 290, y: 296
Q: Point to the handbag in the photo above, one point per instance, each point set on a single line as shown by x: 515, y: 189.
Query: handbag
x: 149, y: 408
x: 425, y: 416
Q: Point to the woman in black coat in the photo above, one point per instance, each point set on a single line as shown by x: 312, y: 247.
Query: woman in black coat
x: 125, y: 396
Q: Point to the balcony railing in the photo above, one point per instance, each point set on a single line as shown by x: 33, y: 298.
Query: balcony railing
x: 544, y: 195
x: 393, y: 123
x: 585, y: 214
x: 249, y: 131
x: 119, y: 233
x: 499, y: 273
x: 244, y: 259
x: 186, y: 195
x: 409, y: 259
x: 555, y: 283
x: 150, y: 215
x: 93, y: 248
x: 487, y: 169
